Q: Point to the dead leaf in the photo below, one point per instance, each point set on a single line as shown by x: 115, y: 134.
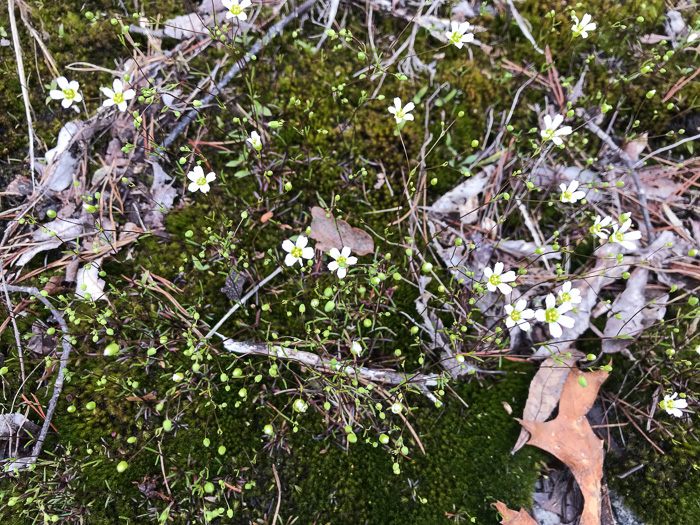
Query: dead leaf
x: 634, y: 314
x: 511, y: 517
x: 163, y: 194
x: 145, y: 397
x: 266, y: 217
x: 88, y: 276
x: 233, y: 287
x: 545, y: 391
x: 570, y: 438
x: 329, y: 232
x: 463, y: 199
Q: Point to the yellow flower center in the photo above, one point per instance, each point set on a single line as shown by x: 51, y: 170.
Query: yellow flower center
x: 549, y: 134
x: 236, y: 10
x: 551, y: 315
x: 118, y: 98
x: 342, y: 261
x: 201, y: 181
x: 400, y: 114
x: 618, y: 237
x: 495, y: 280
x: 566, y: 297
x: 69, y: 93
x: 296, y: 252
x: 515, y: 316
x: 456, y: 38
x: 566, y: 195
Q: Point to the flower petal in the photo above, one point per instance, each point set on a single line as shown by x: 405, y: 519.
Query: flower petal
x: 62, y: 83
x: 342, y: 272
x: 566, y: 321
x: 287, y: 245
x: 498, y: 268
x: 505, y: 288
x: 307, y: 253
x: 129, y: 94
x: 56, y: 94
x: 118, y: 86
x: 351, y: 260
x: 333, y: 266
x: 290, y: 260
x: 508, y: 277
x: 555, y: 330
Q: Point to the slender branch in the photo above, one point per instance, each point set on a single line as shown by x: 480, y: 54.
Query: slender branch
x: 14, y: 323
x: 58, y: 385
x: 23, y: 85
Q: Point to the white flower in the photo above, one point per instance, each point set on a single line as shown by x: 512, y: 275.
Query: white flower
x: 356, y: 348
x: 199, y: 180
x: 396, y: 408
x: 599, y: 228
x: 297, y: 251
x: 518, y: 315
x: 672, y: 405
x: 255, y: 140
x: 300, y: 406
x: 570, y: 194
x: 117, y: 96
x: 621, y: 236
x: 235, y: 9
x: 460, y: 34
x: 67, y: 92
x: 401, y: 114
x: 550, y: 131
x: 554, y: 316
x: 177, y: 377
x: 568, y: 295
x: 342, y: 261
x: 581, y: 28
x: 496, y: 279
x: 698, y: 349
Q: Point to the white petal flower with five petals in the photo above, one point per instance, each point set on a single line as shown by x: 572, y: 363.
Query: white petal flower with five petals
x: 236, y: 8
x: 623, y: 237
x: 518, y: 315
x: 199, y: 180
x: 581, y: 28
x: 117, y: 96
x: 67, y: 92
x: 599, y: 228
x: 672, y: 405
x: 341, y: 262
x: 569, y: 295
x: 460, y: 34
x: 401, y: 114
x: 552, y: 131
x: 554, y: 316
x: 496, y: 279
x: 297, y: 251
x: 570, y: 194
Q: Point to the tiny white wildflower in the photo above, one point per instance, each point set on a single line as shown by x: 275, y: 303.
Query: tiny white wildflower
x: 67, y: 92
x: 518, y: 315
x: 460, y: 34
x: 570, y: 194
x: 569, y: 295
x: 255, y: 140
x: 341, y: 262
x: 298, y: 251
x: 199, y: 181
x: 496, y: 279
x: 554, y: 316
x: 177, y: 377
x: 672, y: 405
x: 623, y: 237
x: 356, y: 348
x: 396, y: 408
x: 300, y: 406
x: 401, y: 114
x: 581, y: 28
x: 600, y: 226
x: 117, y: 96
x: 235, y: 8
x: 552, y: 131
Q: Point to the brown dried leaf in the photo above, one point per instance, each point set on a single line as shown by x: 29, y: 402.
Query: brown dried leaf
x: 512, y: 517
x: 329, y: 232
x: 570, y: 438
x: 266, y: 217
x: 544, y: 393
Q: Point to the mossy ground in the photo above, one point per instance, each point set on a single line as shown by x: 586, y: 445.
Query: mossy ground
x: 467, y: 464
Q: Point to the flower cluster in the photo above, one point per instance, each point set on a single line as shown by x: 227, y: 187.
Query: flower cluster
x: 621, y: 234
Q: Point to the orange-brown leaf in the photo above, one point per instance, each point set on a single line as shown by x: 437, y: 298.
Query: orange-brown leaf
x: 570, y: 438
x: 329, y: 232
x: 512, y: 517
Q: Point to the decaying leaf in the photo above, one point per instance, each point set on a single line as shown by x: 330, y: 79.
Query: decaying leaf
x: 329, y: 232
x: 512, y: 517
x: 570, y: 438
x: 88, y: 277
x: 463, y: 199
x: 634, y: 314
x: 233, y: 287
x: 545, y: 390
